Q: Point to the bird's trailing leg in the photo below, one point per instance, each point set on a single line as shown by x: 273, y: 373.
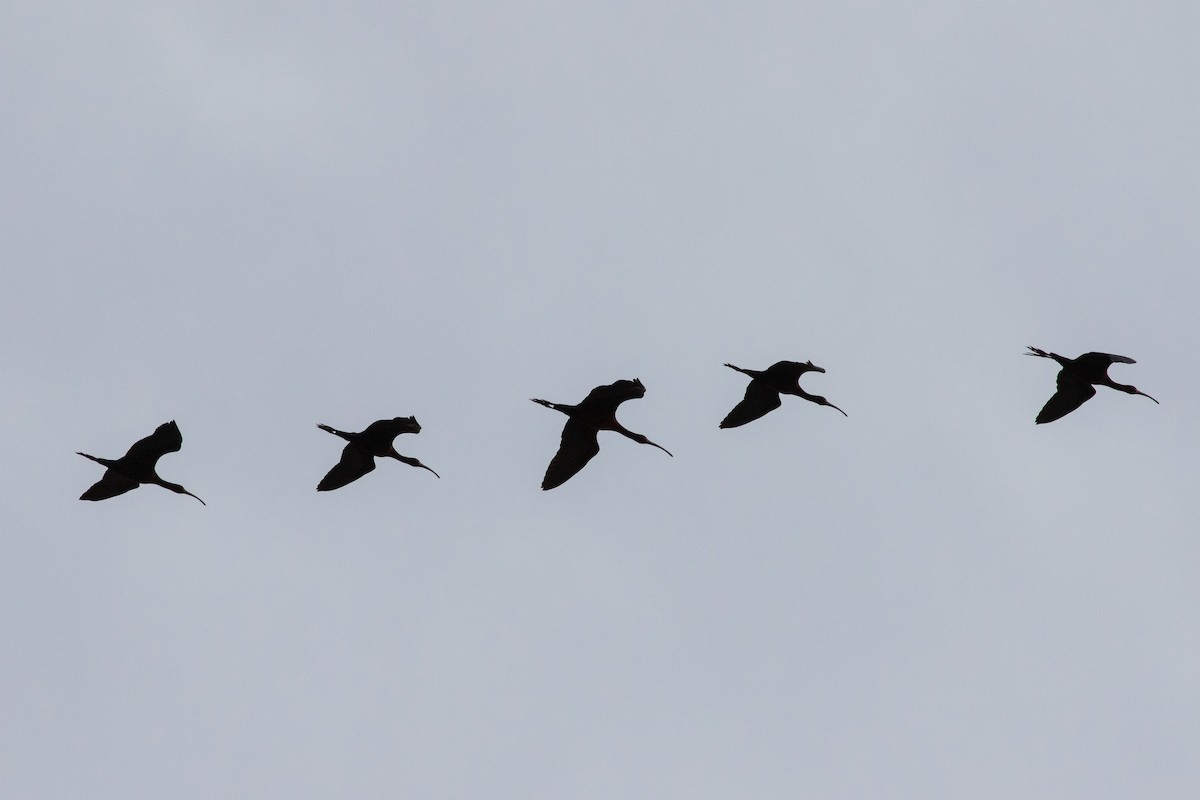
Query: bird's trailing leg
x: 108, y: 462
x: 1040, y: 353
x: 335, y: 431
x: 753, y: 373
x: 556, y: 406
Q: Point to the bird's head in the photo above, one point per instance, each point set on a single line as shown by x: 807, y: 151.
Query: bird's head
x: 412, y: 462
x: 177, y: 489
x: 1135, y: 390
x: 639, y: 437
x: 821, y: 401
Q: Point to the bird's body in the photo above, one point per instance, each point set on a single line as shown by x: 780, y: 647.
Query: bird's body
x: 361, y: 450
x: 597, y: 412
x: 138, y: 465
x: 762, y: 395
x: 1078, y: 379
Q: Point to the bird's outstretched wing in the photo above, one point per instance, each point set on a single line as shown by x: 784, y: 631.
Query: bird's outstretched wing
x: 760, y: 400
x: 383, y: 431
x: 355, y: 463
x: 577, y: 448
x: 611, y: 395
x: 112, y: 484
x: 786, y: 373
x: 1071, y: 394
x: 165, y: 439
x: 1114, y: 358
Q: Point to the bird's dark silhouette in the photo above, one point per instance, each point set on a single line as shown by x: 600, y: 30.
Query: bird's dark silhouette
x: 137, y: 466
x: 1078, y: 379
x: 762, y: 395
x: 597, y: 412
x: 358, y: 456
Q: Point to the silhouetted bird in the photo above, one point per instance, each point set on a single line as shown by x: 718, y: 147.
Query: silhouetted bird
x: 762, y: 395
x: 597, y: 412
x: 1077, y: 381
x: 137, y: 466
x: 358, y: 457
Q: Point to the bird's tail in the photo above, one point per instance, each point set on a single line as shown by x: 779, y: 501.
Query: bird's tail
x: 546, y: 403
x: 1037, y: 351
x: 739, y: 369
x: 97, y: 459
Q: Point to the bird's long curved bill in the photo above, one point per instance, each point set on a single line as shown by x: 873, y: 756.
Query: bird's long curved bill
x: 412, y: 462
x: 1143, y: 394
x: 844, y: 414
x: 660, y: 447
x: 189, y: 494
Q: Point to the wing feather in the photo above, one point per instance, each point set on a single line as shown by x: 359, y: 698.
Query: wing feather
x: 759, y: 401
x: 165, y: 439
x: 355, y: 463
x: 112, y: 484
x: 1071, y: 394
x: 577, y: 448
x: 1115, y: 358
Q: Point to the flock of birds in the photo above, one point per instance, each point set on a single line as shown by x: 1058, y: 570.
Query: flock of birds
x: 1077, y: 382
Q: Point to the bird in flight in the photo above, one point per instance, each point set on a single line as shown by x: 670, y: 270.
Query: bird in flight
x: 762, y: 395
x: 1078, y: 379
x: 137, y: 466
x: 597, y: 412
x: 358, y: 456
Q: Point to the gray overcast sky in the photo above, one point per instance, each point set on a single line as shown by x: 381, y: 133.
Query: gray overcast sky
x: 251, y: 218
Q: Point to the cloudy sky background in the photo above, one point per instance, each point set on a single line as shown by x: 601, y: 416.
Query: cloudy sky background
x: 251, y: 219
